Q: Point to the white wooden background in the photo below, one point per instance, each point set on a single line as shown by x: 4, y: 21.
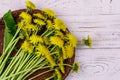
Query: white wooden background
x: 98, y: 18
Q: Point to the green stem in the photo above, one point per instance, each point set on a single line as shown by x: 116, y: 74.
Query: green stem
x: 22, y: 55
x: 49, y: 33
x: 4, y: 55
x: 6, y: 58
x: 32, y: 65
x: 22, y: 72
x: 49, y: 78
x: 41, y: 74
x: 11, y: 41
x: 28, y: 65
x: 53, y: 48
x: 47, y: 72
x: 45, y: 32
x: 12, y: 63
x: 19, y: 64
x: 32, y: 60
x: 24, y: 62
x: 8, y: 47
x: 53, y: 53
x: 68, y: 65
x: 31, y: 71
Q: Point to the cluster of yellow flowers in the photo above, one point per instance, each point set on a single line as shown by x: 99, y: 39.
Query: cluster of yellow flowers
x: 47, y: 43
x: 55, y: 41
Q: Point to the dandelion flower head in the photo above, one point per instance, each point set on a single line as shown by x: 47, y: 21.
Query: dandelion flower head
x: 49, y: 12
x: 56, y: 41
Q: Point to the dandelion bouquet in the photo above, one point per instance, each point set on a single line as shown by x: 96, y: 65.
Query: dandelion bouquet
x: 37, y: 45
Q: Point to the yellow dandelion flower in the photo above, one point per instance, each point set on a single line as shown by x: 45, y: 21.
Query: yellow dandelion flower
x: 56, y: 41
x: 20, y: 25
x: 27, y: 47
x: 62, y: 68
x: 25, y: 33
x: 46, y: 40
x: 59, y: 24
x: 59, y: 75
x: 31, y: 27
x: 72, y: 39
x: 39, y: 15
x: 59, y: 33
x: 39, y: 22
x: 50, y: 60
x: 69, y: 51
x: 46, y: 52
x: 38, y: 53
x: 26, y: 17
x: 35, y: 39
x: 42, y: 49
x: 49, y: 24
x: 30, y: 5
x: 49, y: 12
x: 64, y: 53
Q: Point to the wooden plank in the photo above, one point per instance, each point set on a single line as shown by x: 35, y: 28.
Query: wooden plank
x: 100, y: 64
x: 91, y: 18
x: 69, y: 7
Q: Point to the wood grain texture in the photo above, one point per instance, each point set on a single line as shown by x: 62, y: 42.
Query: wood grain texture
x: 98, y: 18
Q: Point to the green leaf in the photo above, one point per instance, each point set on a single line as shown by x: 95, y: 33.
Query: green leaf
x: 10, y: 23
x: 10, y: 28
